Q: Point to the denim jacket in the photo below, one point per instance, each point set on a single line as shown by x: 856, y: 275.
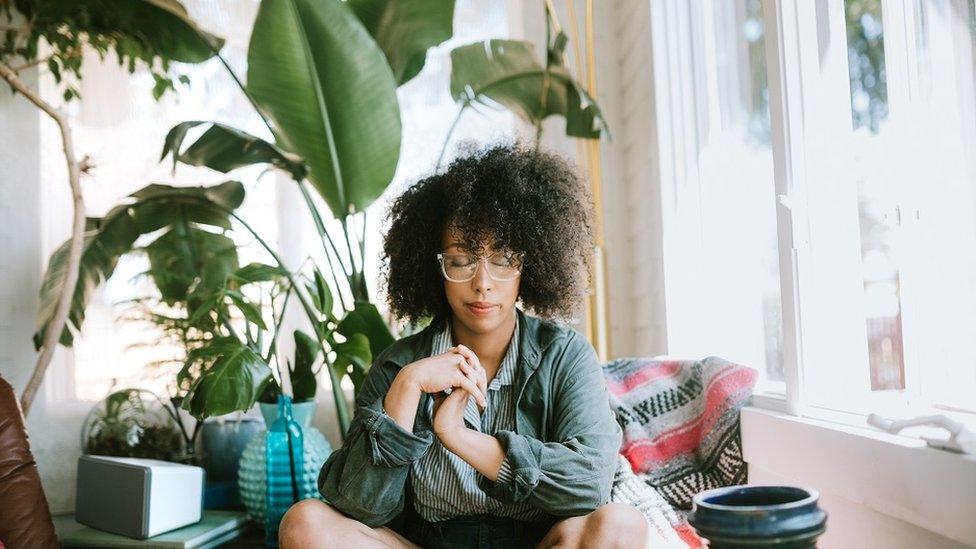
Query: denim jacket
x: 563, y: 451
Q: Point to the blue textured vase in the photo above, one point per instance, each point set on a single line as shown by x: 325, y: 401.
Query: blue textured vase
x: 283, y: 468
x: 252, y: 471
x: 737, y: 517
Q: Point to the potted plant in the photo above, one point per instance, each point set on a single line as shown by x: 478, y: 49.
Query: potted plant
x: 56, y: 35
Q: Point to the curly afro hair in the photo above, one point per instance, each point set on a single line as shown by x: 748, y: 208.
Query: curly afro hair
x: 509, y: 195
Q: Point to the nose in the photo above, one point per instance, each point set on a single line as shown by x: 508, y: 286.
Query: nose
x: 481, y: 282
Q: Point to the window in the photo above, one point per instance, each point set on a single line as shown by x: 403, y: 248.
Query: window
x: 721, y: 264
x: 818, y: 176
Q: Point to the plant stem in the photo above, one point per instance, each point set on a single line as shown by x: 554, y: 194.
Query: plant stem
x: 250, y: 99
x: 53, y: 333
x: 173, y: 413
x: 326, y: 239
x: 450, y: 131
x: 359, y: 284
x: 274, y: 337
x: 362, y: 244
x: 342, y: 410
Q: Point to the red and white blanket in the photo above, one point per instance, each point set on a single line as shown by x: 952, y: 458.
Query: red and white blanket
x: 681, y: 435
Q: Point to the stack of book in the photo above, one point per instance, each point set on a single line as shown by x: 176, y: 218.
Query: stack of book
x: 215, y: 528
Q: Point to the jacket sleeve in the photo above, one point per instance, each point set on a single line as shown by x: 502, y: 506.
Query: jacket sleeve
x: 572, y: 476
x: 366, y: 478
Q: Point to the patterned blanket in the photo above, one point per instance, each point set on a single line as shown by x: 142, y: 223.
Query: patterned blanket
x: 681, y: 435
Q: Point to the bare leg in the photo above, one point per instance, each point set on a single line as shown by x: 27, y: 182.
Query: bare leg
x: 312, y: 523
x: 612, y: 526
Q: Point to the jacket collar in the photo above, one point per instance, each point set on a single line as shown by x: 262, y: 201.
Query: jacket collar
x: 535, y: 335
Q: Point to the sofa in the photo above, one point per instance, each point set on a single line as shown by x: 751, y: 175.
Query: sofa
x: 25, y: 519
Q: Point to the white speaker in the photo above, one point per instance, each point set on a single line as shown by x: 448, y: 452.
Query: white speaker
x: 139, y: 498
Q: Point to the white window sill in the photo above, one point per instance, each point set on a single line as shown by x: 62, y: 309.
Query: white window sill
x: 897, y: 476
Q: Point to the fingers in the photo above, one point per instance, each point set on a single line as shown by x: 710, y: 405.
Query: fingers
x: 465, y: 383
x: 472, y: 372
x: 473, y: 360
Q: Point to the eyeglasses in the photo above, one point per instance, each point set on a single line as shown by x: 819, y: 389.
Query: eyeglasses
x: 463, y: 267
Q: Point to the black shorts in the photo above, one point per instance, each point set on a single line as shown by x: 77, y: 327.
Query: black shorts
x: 474, y: 531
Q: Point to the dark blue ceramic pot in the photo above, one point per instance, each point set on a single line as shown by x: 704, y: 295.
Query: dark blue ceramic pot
x: 784, y: 517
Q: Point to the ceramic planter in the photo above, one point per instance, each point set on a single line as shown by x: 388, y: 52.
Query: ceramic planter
x: 737, y: 517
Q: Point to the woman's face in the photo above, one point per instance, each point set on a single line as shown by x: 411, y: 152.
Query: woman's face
x: 481, y: 304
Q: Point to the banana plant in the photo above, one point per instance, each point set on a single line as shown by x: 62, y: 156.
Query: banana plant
x: 323, y: 76
x: 56, y: 35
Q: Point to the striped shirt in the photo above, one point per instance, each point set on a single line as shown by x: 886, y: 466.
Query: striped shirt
x: 445, y: 485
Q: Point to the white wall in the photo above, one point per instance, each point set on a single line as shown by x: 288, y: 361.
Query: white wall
x: 20, y: 253
x: 879, y: 490
x: 632, y: 191
x: 631, y: 206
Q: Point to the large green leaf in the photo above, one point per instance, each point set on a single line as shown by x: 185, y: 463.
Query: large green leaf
x: 189, y: 259
x: 506, y: 72
x: 107, y: 238
x: 405, y: 30
x: 366, y: 319
x: 255, y: 272
x: 326, y: 86
x: 232, y: 377
x: 166, y: 25
x: 224, y: 148
x: 353, y: 358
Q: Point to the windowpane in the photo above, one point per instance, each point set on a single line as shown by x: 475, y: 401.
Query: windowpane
x: 914, y: 163
x: 724, y: 298
x: 943, y: 196
x: 879, y: 212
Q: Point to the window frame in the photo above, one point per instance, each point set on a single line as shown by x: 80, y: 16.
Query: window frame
x: 811, y: 133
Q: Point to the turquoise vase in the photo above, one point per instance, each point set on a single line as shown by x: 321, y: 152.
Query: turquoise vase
x: 252, y: 473
x: 283, y: 468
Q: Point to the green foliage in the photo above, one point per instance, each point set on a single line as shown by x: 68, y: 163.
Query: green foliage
x: 320, y: 293
x: 190, y: 259
x: 353, y: 358
x: 303, y: 382
x: 224, y: 148
x: 327, y: 89
x: 366, y: 319
x: 255, y: 272
x: 405, y: 30
x: 152, y: 33
x: 107, y: 238
x: 506, y: 72
x: 231, y: 377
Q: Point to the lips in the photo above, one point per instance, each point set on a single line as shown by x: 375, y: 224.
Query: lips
x: 481, y: 307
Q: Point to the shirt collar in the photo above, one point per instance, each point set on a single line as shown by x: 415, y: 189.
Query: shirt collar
x: 506, y: 372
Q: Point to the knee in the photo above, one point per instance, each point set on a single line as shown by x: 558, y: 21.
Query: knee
x: 302, y: 520
x: 617, y: 525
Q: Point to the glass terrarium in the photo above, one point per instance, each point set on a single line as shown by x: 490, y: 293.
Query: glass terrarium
x: 132, y: 423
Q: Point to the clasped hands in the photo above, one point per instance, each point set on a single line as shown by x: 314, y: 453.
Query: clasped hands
x: 459, y: 371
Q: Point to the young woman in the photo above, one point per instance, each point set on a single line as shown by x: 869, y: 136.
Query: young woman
x: 490, y: 427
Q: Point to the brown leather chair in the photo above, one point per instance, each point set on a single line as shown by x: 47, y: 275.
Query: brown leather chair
x: 25, y: 520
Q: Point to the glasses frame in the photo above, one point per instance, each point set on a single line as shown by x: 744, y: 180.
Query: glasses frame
x: 481, y: 259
